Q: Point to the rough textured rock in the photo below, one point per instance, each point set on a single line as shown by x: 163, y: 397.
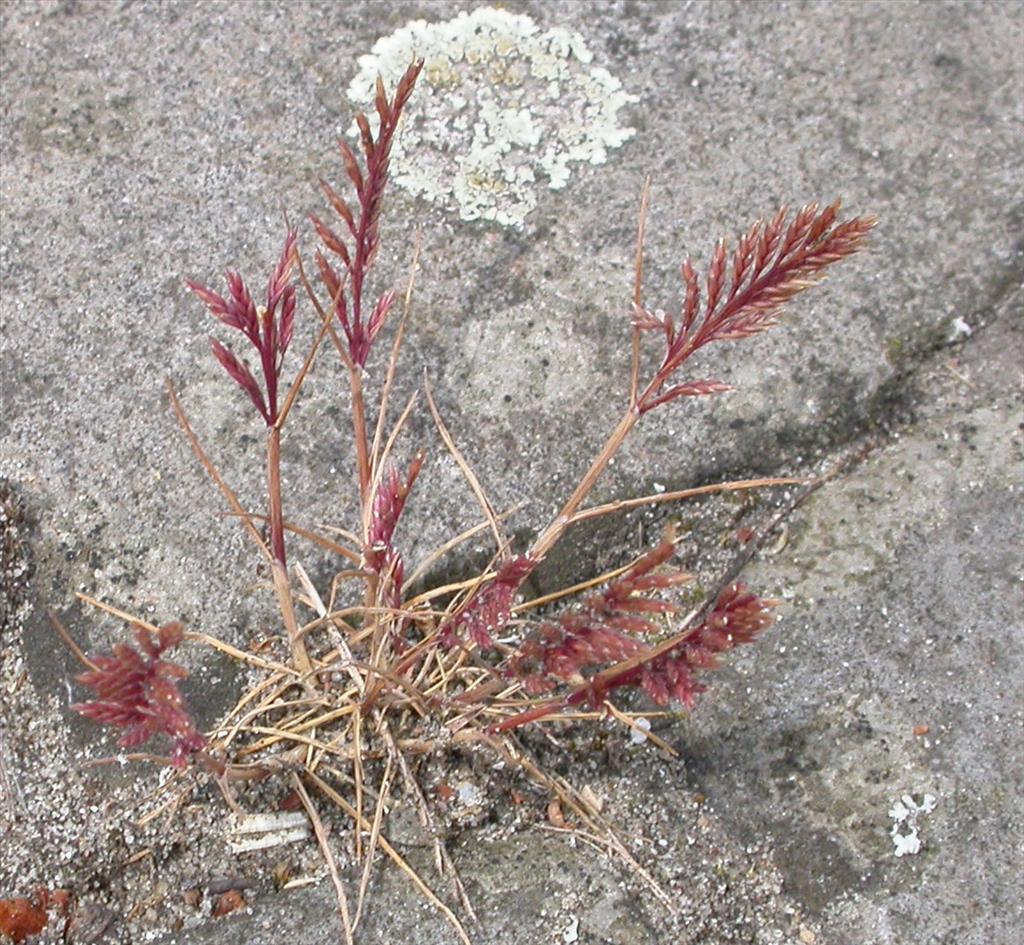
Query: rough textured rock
x: 147, y: 143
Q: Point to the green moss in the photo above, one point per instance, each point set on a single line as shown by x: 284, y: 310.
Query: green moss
x: 895, y: 351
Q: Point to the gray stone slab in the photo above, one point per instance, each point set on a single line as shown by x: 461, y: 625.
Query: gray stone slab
x: 897, y: 672
x: 147, y: 143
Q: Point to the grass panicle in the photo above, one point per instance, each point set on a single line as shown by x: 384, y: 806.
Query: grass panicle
x: 137, y: 691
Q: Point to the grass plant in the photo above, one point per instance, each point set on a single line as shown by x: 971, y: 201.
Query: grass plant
x: 374, y: 678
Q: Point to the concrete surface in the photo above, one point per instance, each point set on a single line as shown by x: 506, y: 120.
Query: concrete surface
x: 147, y: 143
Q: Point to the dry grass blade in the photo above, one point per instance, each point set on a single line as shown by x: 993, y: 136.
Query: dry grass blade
x: 349, y: 536
x: 227, y: 648
x: 272, y: 683
x: 574, y: 589
x: 438, y: 553
x: 213, y: 473
x: 378, y: 815
x: 309, y: 535
x: 376, y: 461
x: 300, y: 378
x: 467, y: 471
x: 737, y: 485
x: 325, y: 848
x: 514, y: 752
x: 313, y: 599
x: 396, y: 857
x: 456, y: 587
x: 251, y: 658
x: 647, y: 735
x: 274, y: 704
x: 356, y: 733
x: 282, y: 587
x: 345, y: 653
x: 638, y: 289
x: 282, y: 735
x: 445, y: 864
x: 116, y: 612
x: 69, y: 641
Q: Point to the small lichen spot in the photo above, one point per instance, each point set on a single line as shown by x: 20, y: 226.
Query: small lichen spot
x: 502, y: 109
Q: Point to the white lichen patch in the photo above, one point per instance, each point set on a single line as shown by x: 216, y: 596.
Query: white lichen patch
x: 905, y: 814
x: 501, y: 110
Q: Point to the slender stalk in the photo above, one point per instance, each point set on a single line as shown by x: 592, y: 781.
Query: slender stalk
x: 547, y: 539
x: 638, y: 289
x: 70, y: 643
x: 355, y: 376
x: 355, y: 373
x: 396, y: 347
x: 213, y: 472
x: 279, y: 564
x: 561, y: 522
x: 296, y: 641
x: 276, y: 514
x: 736, y: 485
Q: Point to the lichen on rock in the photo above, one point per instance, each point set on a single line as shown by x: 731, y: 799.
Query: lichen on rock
x: 503, y: 109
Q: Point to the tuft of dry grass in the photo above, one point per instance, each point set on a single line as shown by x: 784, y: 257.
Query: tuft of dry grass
x: 375, y: 681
